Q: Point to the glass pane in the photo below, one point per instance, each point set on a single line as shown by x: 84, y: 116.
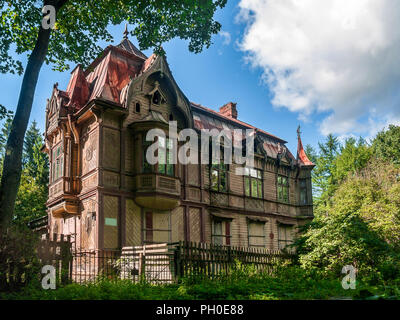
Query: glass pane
x: 253, y: 172
x: 279, y: 179
x: 222, y: 181
x: 161, y: 160
x: 285, y: 194
x: 259, y: 188
x: 161, y: 142
x: 162, y: 156
x: 214, y: 179
x: 170, y: 169
x: 259, y: 176
x: 247, y: 186
x: 303, y: 198
x: 246, y: 171
x: 169, y: 143
x: 280, y: 193
x: 254, y: 188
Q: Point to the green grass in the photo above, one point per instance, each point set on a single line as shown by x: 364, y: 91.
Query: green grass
x: 291, y: 283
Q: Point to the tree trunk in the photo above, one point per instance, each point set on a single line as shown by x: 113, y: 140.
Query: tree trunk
x: 13, y: 156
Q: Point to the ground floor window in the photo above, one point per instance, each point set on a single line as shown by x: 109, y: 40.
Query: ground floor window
x: 285, y: 235
x: 221, y: 232
x: 157, y: 227
x: 256, y: 232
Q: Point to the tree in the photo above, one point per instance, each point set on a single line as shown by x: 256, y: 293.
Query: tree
x: 386, y: 144
x: 362, y: 226
x: 33, y: 189
x: 79, y: 25
x: 322, y: 175
x: 353, y: 157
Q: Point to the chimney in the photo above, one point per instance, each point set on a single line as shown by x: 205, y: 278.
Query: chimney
x: 229, y: 110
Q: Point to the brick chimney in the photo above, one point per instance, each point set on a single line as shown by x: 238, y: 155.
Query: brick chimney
x: 229, y: 110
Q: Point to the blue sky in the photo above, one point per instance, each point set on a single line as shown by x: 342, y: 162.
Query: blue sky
x: 272, y: 78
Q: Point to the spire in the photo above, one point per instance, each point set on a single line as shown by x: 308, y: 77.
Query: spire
x: 302, y: 158
x: 126, y: 33
x: 128, y: 46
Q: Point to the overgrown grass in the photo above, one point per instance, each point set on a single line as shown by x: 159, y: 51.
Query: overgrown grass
x: 242, y: 283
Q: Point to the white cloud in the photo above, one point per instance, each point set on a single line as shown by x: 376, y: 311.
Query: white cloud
x: 226, y: 37
x: 340, y: 57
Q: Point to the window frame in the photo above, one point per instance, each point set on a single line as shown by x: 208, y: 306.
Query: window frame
x: 249, y: 178
x: 303, y: 190
x: 227, y: 236
x: 169, y: 168
x: 57, y: 163
x: 280, y: 184
x: 287, y: 241
x: 221, y: 170
x: 253, y: 236
x: 148, y: 228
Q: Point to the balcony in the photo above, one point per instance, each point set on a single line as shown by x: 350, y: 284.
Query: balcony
x: 157, y: 191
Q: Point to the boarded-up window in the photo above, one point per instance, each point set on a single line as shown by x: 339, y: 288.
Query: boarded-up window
x: 256, y: 234
x: 132, y: 224
x: 195, y: 224
x: 177, y: 225
x: 157, y: 227
x: 221, y: 232
x: 285, y: 235
x: 111, y: 225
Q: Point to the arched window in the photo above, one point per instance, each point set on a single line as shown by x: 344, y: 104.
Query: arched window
x: 137, y: 107
x: 156, y: 97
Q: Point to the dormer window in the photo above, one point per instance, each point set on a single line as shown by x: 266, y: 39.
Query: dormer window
x: 156, y: 95
x: 156, y: 98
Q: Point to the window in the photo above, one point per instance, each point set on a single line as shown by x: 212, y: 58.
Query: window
x: 256, y: 234
x: 157, y: 227
x: 283, y: 189
x: 253, y: 182
x: 156, y: 97
x: 221, y: 232
x: 147, y: 167
x: 284, y: 236
x: 303, y: 191
x: 219, y: 176
x: 137, y: 107
x: 57, y: 170
x: 165, y: 157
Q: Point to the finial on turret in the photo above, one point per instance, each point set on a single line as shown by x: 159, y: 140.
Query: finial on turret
x: 298, y: 131
x: 126, y: 31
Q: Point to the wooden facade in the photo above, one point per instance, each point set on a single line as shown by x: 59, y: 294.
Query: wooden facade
x: 105, y: 196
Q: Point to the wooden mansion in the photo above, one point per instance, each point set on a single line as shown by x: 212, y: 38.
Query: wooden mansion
x: 105, y: 195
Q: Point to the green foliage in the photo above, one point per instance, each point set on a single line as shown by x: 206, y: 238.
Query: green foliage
x: 80, y: 25
x: 19, y: 265
x: 353, y: 157
x: 386, y: 144
x: 33, y: 189
x: 360, y: 227
x: 289, y: 283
